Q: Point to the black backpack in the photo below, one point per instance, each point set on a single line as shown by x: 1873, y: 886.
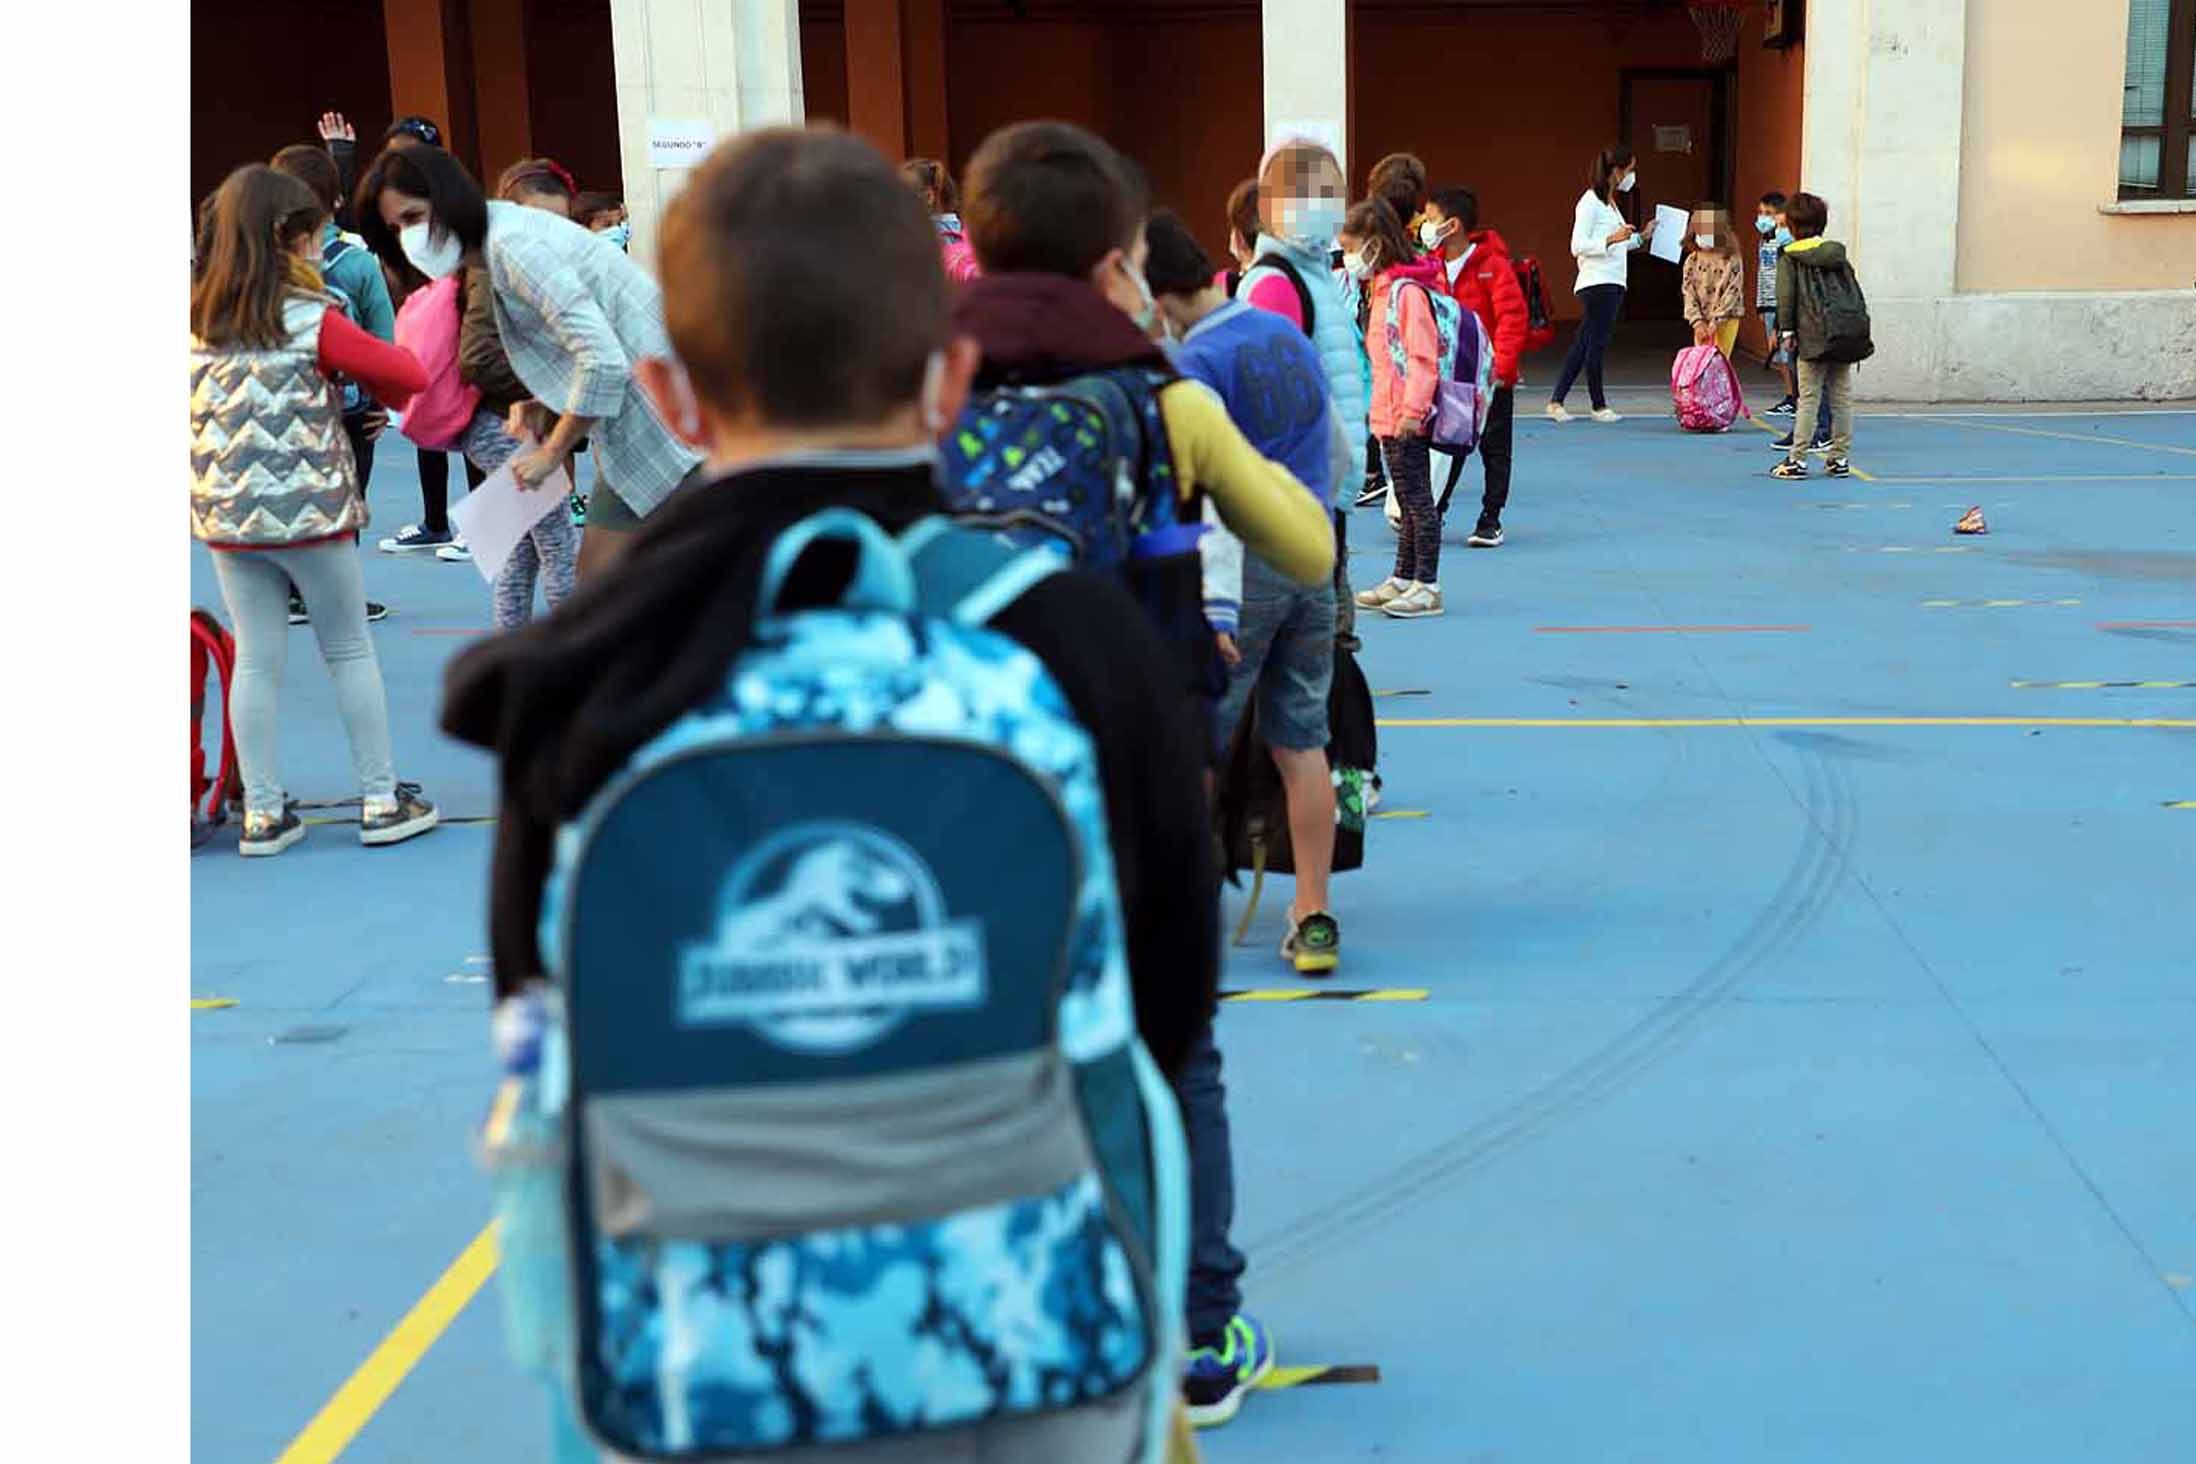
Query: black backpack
x: 1843, y: 312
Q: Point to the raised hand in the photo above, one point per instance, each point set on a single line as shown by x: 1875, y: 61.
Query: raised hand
x: 335, y: 128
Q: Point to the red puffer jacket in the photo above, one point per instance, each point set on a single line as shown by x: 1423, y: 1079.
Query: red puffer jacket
x: 1487, y: 286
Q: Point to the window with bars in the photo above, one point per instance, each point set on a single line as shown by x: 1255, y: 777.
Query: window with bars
x: 2158, y: 110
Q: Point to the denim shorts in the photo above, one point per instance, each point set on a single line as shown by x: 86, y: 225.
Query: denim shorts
x: 1287, y: 641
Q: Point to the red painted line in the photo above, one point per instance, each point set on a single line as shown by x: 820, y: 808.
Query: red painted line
x: 451, y: 630
x: 2145, y: 624
x: 1661, y: 629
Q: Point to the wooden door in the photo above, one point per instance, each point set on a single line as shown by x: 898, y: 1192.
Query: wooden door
x: 1674, y: 121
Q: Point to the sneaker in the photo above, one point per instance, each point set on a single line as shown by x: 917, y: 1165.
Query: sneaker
x: 1379, y: 595
x: 1486, y: 536
x: 1313, y: 944
x: 376, y: 611
x: 407, y: 817
x: 412, y: 539
x: 455, y: 552
x: 1216, y: 1378
x: 1604, y: 414
x: 1789, y: 469
x: 1820, y: 447
x: 1839, y: 467
x: 579, y: 510
x: 298, y: 615
x: 1371, y: 494
x: 1556, y: 413
x: 267, y: 834
x: 1788, y: 407
x: 1419, y: 602
x: 1783, y: 444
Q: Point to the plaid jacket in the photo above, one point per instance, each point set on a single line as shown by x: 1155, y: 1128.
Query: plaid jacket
x: 574, y: 313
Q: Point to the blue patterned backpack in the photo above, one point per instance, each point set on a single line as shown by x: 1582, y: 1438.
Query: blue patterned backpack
x: 860, y: 1140
x: 1465, y: 391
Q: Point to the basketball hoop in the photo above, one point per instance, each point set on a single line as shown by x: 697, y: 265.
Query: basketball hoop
x: 1719, y: 22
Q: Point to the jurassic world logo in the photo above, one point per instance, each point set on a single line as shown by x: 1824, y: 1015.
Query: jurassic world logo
x: 828, y: 936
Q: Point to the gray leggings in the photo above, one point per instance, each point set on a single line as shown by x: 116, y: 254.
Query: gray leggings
x: 256, y: 585
x: 550, y: 550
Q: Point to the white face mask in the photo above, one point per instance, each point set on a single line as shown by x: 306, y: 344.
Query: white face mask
x: 433, y: 255
x: 1429, y: 234
x: 1358, y: 266
x: 1629, y: 179
x: 1705, y: 241
x: 934, y: 369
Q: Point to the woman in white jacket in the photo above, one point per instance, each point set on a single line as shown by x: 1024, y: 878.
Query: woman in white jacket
x: 1602, y: 242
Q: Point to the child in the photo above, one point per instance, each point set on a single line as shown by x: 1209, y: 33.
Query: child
x: 929, y: 177
x: 280, y: 503
x: 538, y: 183
x: 806, y: 397
x: 1275, y: 636
x: 1399, y: 287
x: 1057, y: 220
x: 1478, y: 274
x: 1243, y: 233
x: 1713, y: 281
x: 1770, y: 226
x: 1825, y: 387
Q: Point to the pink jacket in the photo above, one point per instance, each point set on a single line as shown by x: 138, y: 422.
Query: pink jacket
x: 1405, y: 397
x: 953, y: 247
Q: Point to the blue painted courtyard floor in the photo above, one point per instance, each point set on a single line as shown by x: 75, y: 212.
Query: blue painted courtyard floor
x: 1808, y: 1050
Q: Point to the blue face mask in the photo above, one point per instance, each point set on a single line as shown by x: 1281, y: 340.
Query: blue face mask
x: 1784, y: 237
x: 1764, y: 225
x: 1312, y: 222
x: 619, y: 233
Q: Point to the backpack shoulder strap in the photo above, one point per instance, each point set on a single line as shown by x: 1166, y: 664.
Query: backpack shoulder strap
x: 1296, y: 282
x: 966, y: 577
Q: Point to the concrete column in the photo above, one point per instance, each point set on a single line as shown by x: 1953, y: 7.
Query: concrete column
x: 501, y: 101
x: 736, y: 63
x: 1307, y: 69
x: 1880, y: 144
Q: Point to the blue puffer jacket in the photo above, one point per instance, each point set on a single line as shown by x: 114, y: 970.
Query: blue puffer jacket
x: 1333, y: 326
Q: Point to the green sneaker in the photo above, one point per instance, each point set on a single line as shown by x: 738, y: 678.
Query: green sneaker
x: 1218, y: 1377
x: 1313, y: 944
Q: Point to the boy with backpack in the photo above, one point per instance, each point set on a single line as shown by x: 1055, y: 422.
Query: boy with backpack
x: 1479, y: 275
x: 794, y: 804
x: 1823, y: 315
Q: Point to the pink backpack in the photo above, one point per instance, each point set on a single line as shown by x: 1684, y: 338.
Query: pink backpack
x: 1705, y: 390
x: 427, y: 326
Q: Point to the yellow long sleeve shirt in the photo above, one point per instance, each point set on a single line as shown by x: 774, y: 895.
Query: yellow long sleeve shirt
x: 1260, y: 501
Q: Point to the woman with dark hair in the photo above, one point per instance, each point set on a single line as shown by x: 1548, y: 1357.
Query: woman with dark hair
x: 573, y: 315
x: 280, y: 504
x: 1601, y: 242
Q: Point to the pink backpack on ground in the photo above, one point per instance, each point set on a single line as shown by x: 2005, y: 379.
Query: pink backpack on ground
x: 427, y: 326
x: 1705, y: 390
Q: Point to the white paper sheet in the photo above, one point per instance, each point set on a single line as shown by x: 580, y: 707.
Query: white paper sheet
x: 1669, y: 240
x: 680, y: 142
x: 497, y: 514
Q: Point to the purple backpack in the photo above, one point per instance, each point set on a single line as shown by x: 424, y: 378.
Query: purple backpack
x: 1466, y: 388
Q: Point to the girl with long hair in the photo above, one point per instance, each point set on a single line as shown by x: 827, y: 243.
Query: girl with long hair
x: 274, y: 488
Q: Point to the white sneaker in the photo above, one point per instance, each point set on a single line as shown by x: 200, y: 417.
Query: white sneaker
x: 1603, y: 414
x: 455, y: 552
x: 1379, y: 595
x: 1419, y: 602
x: 1557, y: 414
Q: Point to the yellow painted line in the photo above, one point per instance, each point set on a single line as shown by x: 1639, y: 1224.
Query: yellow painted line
x: 2183, y: 803
x: 1284, y: 994
x: 1671, y: 722
x: 1865, y: 476
x: 362, y: 1395
x: 211, y: 1003
x: 1401, y: 813
x: 1400, y: 993
x: 2062, y: 436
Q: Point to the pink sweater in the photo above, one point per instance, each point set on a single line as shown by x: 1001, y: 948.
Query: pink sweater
x: 1406, y: 396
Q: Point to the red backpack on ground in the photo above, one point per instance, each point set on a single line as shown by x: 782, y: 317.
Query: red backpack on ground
x: 1704, y: 390
x: 1540, y: 330
x: 211, y: 648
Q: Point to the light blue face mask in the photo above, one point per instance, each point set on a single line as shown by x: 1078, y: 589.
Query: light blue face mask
x: 1764, y: 225
x: 1312, y: 222
x: 619, y: 233
x: 1784, y: 237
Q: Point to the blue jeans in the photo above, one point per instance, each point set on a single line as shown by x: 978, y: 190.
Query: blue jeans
x: 1216, y: 1266
x: 1602, y: 303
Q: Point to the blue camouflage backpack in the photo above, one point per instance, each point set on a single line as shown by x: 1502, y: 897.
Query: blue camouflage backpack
x: 860, y: 1140
x: 1080, y: 465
